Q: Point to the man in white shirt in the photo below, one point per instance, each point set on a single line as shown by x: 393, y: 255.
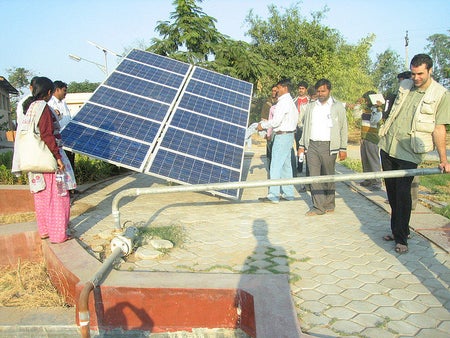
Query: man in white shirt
x: 325, y: 134
x: 283, y: 124
x: 59, y: 105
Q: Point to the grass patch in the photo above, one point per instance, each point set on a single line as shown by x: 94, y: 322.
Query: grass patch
x: 173, y: 233
x: 353, y: 164
x: 27, y: 285
x: 435, y: 188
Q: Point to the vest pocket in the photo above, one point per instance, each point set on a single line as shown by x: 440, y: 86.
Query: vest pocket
x: 422, y: 142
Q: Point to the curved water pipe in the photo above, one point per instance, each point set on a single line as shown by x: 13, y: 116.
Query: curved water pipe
x: 266, y: 183
x: 121, y: 245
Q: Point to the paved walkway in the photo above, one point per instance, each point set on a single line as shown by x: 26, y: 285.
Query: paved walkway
x: 345, y: 280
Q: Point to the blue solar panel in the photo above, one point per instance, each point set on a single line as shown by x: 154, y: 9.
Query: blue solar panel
x: 166, y: 118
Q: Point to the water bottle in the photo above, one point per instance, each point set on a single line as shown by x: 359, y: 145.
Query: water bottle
x: 60, y: 183
x: 301, y: 157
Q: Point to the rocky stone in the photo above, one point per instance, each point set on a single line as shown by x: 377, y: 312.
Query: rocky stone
x: 161, y: 244
x: 147, y: 253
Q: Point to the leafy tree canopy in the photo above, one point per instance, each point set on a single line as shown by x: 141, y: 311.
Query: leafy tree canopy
x: 439, y: 50
x: 385, y: 70
x: 82, y: 87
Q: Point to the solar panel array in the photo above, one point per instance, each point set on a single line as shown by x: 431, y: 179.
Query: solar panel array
x: 166, y: 118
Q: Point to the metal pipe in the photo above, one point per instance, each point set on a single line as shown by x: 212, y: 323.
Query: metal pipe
x: 120, y: 245
x: 266, y: 183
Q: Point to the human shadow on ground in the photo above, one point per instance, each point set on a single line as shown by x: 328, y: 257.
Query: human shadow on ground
x: 422, y: 260
x: 266, y: 258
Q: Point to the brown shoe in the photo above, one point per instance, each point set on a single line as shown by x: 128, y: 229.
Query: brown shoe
x: 314, y: 212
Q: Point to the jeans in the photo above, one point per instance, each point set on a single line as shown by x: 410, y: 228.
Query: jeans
x: 280, y: 165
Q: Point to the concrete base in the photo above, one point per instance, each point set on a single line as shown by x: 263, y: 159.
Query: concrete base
x: 260, y: 305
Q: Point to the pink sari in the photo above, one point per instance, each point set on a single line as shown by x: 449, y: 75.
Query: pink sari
x: 52, y: 211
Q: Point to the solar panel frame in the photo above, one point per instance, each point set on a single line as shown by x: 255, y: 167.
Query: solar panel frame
x: 126, y: 96
x: 168, y: 119
x: 198, y: 145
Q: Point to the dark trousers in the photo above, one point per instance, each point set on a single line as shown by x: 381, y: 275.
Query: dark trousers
x: 399, y: 195
x: 71, y: 157
x: 319, y: 163
x: 298, y: 136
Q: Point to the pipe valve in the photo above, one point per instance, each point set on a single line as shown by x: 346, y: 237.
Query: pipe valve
x: 125, y: 241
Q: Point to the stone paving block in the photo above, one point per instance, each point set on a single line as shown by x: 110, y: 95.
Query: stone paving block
x: 329, y: 289
x: 422, y: 320
x: 444, y: 326
x: 368, y: 278
x: 340, y: 313
x: 321, y: 332
x: 355, y: 294
x: 402, y: 328
x: 391, y: 313
x: 442, y: 295
x: 313, y: 319
x: 393, y: 283
x: 368, y: 320
x: 439, y: 313
x: 411, y: 306
x: 386, y: 274
x: 361, y: 306
x: 434, y: 333
x: 347, y: 327
x: 326, y: 279
x: 344, y: 274
x: 349, y: 283
x: 374, y: 288
x: 410, y: 280
x: 378, y: 333
x: 402, y: 294
x: 428, y: 300
x: 335, y: 300
x: 311, y: 295
x: 381, y: 300
x: 313, y: 306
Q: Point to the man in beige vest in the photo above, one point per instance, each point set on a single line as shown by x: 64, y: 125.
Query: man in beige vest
x: 415, y: 126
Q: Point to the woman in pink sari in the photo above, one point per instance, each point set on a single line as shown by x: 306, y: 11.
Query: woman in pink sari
x: 52, y: 209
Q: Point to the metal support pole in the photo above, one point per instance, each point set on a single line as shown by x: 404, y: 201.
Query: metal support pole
x: 266, y: 183
x: 121, y: 245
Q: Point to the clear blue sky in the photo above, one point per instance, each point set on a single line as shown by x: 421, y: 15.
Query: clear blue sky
x: 39, y: 35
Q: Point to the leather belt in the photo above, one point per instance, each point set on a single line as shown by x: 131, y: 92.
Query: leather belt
x: 284, y: 132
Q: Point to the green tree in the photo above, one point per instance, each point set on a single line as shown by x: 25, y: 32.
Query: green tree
x: 82, y: 87
x: 439, y: 50
x: 237, y: 59
x: 20, y: 78
x: 191, y: 36
x: 388, y: 64
x: 303, y: 49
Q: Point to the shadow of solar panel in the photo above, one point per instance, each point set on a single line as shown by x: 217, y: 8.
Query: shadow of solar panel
x: 166, y: 118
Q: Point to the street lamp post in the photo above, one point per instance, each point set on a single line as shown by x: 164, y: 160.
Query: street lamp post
x: 79, y: 58
x: 104, y: 68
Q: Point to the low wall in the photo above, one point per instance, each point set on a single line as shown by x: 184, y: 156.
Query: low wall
x: 15, y: 199
x: 260, y: 305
